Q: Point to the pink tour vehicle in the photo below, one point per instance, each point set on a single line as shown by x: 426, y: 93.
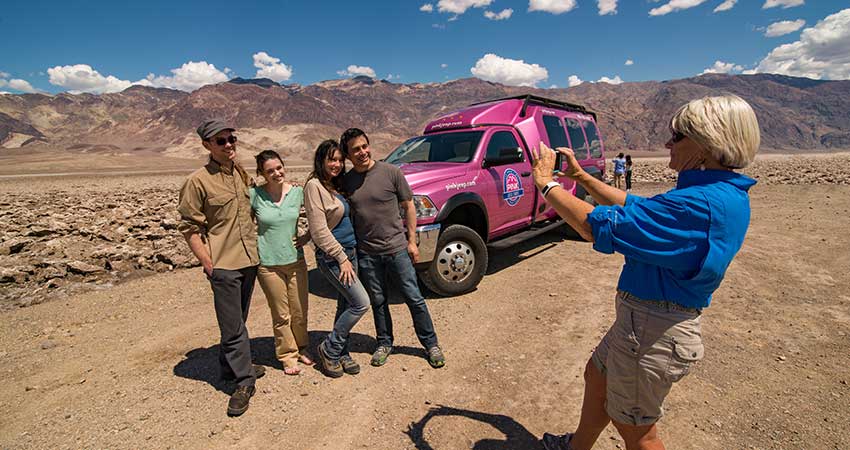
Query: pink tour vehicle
x: 470, y: 173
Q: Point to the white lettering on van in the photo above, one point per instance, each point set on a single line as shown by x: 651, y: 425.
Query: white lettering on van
x: 445, y: 124
x: 461, y: 185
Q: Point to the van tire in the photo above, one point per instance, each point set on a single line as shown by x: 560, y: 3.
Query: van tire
x: 467, y: 248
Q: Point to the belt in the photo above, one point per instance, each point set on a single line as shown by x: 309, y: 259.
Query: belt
x: 660, y: 304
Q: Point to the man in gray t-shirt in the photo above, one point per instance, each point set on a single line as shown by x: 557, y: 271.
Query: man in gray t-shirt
x: 385, y: 247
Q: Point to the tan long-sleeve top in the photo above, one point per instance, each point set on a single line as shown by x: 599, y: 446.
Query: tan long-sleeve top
x: 324, y: 212
x: 214, y: 203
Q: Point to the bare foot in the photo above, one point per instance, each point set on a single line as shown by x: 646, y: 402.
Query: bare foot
x: 304, y: 359
x: 292, y: 370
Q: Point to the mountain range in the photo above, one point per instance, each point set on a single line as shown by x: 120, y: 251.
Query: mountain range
x: 794, y: 113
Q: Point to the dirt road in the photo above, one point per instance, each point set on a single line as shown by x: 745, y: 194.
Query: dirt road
x: 134, y: 365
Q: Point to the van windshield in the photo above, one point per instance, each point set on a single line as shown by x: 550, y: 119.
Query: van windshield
x: 443, y: 147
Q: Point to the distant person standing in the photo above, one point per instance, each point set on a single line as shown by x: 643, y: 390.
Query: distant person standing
x: 384, y: 248
x: 216, y: 223
x: 628, y: 173
x: 619, y: 169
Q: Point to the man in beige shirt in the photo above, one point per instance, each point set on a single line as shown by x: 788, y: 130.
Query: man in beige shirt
x: 217, y: 224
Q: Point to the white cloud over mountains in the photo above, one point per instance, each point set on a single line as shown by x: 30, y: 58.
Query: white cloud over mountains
x: 188, y: 77
x: 16, y: 84
x: 80, y: 78
x: 723, y: 67
x: 784, y: 27
x: 511, y: 72
x: 552, y: 6
x: 355, y: 71
x: 615, y: 80
x: 823, y: 51
x: 574, y: 80
x: 271, y: 67
x: 427, y: 8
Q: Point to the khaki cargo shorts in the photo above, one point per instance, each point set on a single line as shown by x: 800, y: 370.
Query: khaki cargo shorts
x: 650, y: 346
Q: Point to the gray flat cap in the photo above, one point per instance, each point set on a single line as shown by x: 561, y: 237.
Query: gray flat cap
x: 212, y: 127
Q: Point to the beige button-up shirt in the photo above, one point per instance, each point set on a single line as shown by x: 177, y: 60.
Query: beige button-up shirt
x: 214, y: 203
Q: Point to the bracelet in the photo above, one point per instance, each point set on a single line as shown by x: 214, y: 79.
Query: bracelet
x: 549, y: 186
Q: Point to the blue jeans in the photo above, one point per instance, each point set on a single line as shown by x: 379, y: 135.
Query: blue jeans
x: 374, y: 270
x: 352, y: 302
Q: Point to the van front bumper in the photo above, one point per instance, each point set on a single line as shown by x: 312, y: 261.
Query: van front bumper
x: 426, y: 239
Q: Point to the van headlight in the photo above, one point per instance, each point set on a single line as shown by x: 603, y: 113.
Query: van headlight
x: 424, y: 206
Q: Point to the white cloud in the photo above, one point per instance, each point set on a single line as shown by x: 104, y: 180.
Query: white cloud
x: 725, y: 6
x: 4, y: 75
x: 17, y: 84
x: 460, y: 6
x: 675, y: 5
x: 270, y: 67
x: 354, y: 71
x: 438, y: 26
x: 82, y: 78
x: 554, y: 86
x: 723, y: 67
x: 391, y: 77
x: 505, y: 14
x: 188, y: 77
x: 607, y: 7
x: 784, y: 27
x: 615, y: 80
x: 443, y: 66
x: 823, y: 51
x: 552, y: 6
x: 452, y: 18
x: 427, y: 8
x: 629, y: 62
x: 511, y: 72
x: 5, y: 93
x: 574, y: 80
x: 785, y: 4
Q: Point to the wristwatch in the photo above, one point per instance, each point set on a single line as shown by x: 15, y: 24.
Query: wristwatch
x: 548, y: 187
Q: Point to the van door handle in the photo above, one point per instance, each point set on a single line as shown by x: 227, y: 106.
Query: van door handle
x: 525, y: 174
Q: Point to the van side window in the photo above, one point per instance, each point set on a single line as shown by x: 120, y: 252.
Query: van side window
x: 498, y: 141
x: 555, y: 131
x: 577, y: 140
x: 593, y: 138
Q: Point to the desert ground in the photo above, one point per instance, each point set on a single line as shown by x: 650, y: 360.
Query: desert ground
x: 108, y: 336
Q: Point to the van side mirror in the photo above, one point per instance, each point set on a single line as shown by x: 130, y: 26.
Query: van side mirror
x: 509, y: 155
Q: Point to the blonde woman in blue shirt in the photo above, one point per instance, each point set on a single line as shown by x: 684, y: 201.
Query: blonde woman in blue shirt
x: 677, y: 247
x: 283, y: 272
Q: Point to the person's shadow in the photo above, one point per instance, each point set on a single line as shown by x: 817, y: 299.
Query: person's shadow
x: 517, y: 437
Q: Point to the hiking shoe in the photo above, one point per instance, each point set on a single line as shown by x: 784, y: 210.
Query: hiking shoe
x: 379, y: 358
x: 239, y: 401
x: 259, y: 371
x: 435, y: 357
x: 554, y: 442
x: 329, y: 367
x: 349, y: 365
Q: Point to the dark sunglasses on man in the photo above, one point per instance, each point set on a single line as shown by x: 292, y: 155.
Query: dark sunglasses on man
x: 222, y: 141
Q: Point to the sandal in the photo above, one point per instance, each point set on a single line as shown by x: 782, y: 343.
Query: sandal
x: 295, y: 370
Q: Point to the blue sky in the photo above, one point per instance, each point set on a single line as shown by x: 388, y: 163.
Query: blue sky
x: 105, y: 46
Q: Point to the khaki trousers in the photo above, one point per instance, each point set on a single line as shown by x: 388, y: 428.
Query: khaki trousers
x: 286, y: 291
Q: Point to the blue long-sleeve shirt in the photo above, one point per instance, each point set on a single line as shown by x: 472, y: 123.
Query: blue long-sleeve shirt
x: 678, y: 244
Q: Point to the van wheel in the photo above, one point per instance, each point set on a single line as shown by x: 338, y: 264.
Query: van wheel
x: 459, y: 262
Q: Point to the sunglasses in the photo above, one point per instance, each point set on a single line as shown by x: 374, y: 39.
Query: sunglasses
x: 677, y: 136
x: 222, y: 141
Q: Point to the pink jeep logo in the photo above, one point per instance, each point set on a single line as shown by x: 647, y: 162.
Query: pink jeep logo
x: 512, y: 187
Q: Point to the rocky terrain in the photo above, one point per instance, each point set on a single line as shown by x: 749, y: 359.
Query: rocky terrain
x: 794, y: 113
x: 89, y: 233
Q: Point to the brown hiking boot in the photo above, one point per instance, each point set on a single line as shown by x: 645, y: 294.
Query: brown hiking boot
x: 349, y: 365
x: 239, y: 401
x: 329, y: 367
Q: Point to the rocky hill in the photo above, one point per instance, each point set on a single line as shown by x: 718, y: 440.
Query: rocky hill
x: 794, y: 113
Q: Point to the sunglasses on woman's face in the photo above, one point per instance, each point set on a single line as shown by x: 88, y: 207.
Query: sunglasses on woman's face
x: 677, y: 137
x: 222, y: 141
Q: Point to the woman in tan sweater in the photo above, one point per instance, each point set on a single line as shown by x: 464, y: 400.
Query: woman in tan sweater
x: 333, y: 236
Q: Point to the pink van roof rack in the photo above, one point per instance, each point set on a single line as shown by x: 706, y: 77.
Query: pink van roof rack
x: 543, y: 101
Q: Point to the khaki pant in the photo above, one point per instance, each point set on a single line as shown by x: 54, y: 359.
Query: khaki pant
x: 286, y: 291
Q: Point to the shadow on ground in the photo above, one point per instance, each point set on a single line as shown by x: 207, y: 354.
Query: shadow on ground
x: 516, y: 435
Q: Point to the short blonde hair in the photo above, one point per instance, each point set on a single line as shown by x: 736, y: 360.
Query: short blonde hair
x: 726, y: 126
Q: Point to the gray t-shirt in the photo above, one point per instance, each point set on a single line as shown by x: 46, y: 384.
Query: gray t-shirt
x: 374, y: 196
